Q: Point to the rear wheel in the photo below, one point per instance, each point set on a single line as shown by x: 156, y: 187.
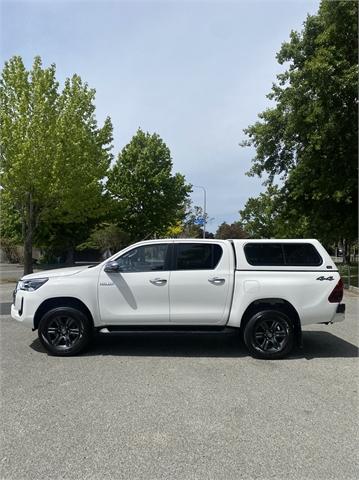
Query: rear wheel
x: 65, y: 331
x: 269, y: 334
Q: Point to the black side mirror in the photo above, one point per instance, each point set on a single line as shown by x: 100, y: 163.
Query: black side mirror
x: 112, y: 267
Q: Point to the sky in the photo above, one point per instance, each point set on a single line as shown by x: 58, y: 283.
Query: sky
x: 195, y: 72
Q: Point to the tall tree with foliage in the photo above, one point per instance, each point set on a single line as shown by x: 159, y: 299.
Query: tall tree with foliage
x: 230, y: 230
x: 53, y: 155
x: 260, y: 216
x: 268, y: 216
x: 309, y: 138
x: 107, y: 237
x: 193, y: 222
x: 188, y: 225
x: 148, y: 196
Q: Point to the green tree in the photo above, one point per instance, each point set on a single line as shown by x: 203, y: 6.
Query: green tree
x: 230, y: 230
x: 309, y: 138
x: 259, y: 217
x: 10, y: 230
x: 191, y: 226
x: 107, y: 237
x: 62, y: 239
x: 187, y: 226
x: 53, y: 155
x: 149, y: 197
x: 268, y: 216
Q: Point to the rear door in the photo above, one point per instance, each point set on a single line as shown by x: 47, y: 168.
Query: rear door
x: 201, y: 283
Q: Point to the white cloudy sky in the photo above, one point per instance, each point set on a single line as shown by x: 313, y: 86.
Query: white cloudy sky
x: 195, y: 72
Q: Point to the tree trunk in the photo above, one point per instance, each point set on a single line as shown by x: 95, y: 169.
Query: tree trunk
x: 28, y: 254
x: 28, y: 233
x: 70, y: 255
x: 346, y: 253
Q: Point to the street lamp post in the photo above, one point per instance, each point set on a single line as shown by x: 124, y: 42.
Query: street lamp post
x: 204, y: 207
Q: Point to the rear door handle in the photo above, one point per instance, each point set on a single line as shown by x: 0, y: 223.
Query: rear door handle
x: 217, y: 280
x: 158, y: 281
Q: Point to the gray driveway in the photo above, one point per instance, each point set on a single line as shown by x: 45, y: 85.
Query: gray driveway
x: 180, y: 407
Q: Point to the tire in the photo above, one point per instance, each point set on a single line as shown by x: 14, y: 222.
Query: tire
x: 269, y: 335
x: 65, y: 331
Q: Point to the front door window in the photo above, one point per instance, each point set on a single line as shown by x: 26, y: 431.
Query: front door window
x: 147, y: 258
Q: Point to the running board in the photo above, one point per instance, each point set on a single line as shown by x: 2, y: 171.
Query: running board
x: 165, y: 329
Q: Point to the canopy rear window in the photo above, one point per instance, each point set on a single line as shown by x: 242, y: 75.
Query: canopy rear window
x: 282, y: 254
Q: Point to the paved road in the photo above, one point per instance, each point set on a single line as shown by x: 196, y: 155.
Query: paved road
x: 10, y: 272
x: 180, y: 407
x: 6, y: 290
x: 5, y: 308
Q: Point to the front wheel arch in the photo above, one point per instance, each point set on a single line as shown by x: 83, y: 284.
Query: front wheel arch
x: 55, y: 302
x: 65, y: 331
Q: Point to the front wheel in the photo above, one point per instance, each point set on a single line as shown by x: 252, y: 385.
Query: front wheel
x: 64, y: 331
x: 269, y: 335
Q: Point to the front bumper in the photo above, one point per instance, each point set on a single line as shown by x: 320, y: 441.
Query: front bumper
x: 18, y: 312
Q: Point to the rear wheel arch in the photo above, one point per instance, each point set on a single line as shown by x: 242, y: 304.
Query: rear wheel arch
x: 278, y: 304
x: 55, y: 302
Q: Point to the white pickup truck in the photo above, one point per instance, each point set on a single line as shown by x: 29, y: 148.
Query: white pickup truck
x: 268, y: 289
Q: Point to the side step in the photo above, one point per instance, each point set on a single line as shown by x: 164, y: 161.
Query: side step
x: 166, y: 329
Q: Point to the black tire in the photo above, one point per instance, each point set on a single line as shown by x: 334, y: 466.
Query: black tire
x: 269, y: 335
x: 65, y: 331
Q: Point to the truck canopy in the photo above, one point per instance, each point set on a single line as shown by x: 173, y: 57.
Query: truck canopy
x: 282, y: 254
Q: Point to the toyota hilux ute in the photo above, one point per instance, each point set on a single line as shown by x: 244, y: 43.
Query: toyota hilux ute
x: 268, y: 289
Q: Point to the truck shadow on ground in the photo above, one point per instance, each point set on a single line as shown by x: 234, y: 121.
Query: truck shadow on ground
x: 316, y: 344
x: 319, y: 344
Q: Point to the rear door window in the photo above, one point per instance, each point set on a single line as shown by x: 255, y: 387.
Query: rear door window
x: 197, y: 256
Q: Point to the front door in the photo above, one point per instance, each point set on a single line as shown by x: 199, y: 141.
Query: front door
x: 201, y: 283
x: 138, y: 293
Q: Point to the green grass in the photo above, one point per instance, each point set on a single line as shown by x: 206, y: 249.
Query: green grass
x: 344, y: 273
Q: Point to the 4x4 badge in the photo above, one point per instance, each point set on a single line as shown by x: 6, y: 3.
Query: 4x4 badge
x: 325, y: 278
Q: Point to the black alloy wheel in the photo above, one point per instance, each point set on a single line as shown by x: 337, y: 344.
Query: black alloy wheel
x: 269, y: 334
x: 64, y: 331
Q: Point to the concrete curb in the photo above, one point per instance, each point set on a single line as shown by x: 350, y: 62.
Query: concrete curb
x: 354, y: 290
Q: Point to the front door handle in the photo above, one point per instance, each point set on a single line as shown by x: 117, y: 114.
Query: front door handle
x: 217, y: 280
x: 159, y: 281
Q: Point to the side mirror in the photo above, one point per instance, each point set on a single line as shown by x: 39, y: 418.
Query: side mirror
x: 112, y: 267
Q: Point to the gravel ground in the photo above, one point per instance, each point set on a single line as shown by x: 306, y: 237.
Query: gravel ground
x: 158, y: 407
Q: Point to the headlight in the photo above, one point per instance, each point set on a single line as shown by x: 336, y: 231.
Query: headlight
x: 31, y: 284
